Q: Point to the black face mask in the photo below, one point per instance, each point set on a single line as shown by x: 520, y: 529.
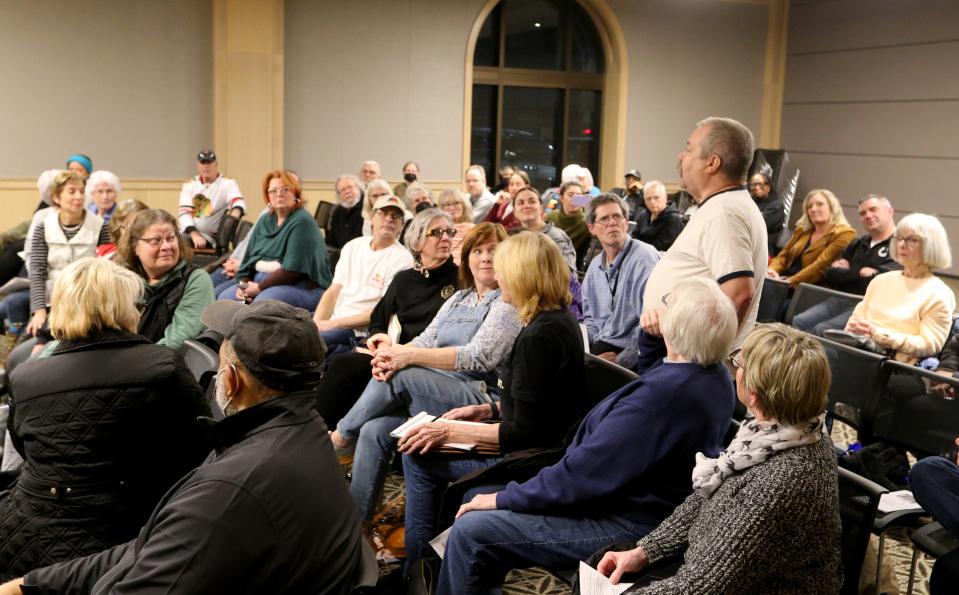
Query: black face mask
x: 423, y: 206
x: 409, y: 178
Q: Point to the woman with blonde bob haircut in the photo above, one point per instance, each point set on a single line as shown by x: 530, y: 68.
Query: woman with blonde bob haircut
x: 93, y: 420
x: 756, y: 508
x: 531, y: 266
x: 910, y: 311
x: 821, y: 235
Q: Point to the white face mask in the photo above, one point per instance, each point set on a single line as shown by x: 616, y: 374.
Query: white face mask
x: 221, y: 399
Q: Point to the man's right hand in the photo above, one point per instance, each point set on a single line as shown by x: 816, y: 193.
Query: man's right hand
x: 198, y: 240
x: 649, y: 321
x: 842, y: 263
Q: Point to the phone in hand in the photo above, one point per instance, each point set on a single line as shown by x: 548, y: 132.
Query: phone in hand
x: 581, y: 200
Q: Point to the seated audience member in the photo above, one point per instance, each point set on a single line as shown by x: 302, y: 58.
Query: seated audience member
x: 614, y: 282
x: 586, y: 180
x: 267, y: 512
x: 863, y: 259
x: 123, y: 216
x: 346, y: 221
x: 528, y: 208
x: 377, y: 189
x: 369, y: 171
x: 418, y: 197
x: 633, y: 193
x: 102, y: 190
x: 414, y: 297
x: 366, y: 268
x: 541, y: 391
x: 411, y: 173
x: 505, y: 171
x: 821, y: 235
x: 456, y: 204
x: 105, y: 424
x: 286, y: 258
x: 452, y: 363
x: 627, y: 467
x: 65, y: 235
x: 935, y: 484
x: 502, y: 210
x: 570, y: 173
x: 765, y: 511
x: 569, y: 219
x: 770, y: 205
x: 225, y: 273
x: 910, y: 311
x: 80, y: 164
x: 660, y: 223
x: 480, y: 198
x: 206, y: 199
x: 175, y: 291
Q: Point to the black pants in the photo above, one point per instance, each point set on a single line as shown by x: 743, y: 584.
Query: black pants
x: 346, y: 376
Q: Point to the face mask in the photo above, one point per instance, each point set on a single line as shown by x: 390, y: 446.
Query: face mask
x: 409, y: 178
x: 221, y: 399
x: 423, y: 206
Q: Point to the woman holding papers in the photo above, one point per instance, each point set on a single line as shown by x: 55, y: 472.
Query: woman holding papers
x: 538, y: 404
x: 764, y: 515
x: 451, y: 363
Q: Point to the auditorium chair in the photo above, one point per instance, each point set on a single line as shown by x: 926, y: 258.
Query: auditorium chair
x: 772, y: 302
x: 808, y: 295
x: 935, y: 541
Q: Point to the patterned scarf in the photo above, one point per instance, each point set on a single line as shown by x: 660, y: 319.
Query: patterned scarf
x: 754, y: 443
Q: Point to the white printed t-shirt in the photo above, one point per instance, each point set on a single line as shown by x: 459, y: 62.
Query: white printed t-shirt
x: 724, y: 239
x: 365, y: 274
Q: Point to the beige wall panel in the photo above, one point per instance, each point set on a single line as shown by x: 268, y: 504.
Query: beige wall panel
x: 926, y: 129
x: 376, y: 80
x: 823, y: 26
x: 914, y: 72
x: 688, y: 60
x: 128, y: 83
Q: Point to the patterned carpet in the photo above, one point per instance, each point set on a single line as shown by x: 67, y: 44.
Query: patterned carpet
x: 898, y: 549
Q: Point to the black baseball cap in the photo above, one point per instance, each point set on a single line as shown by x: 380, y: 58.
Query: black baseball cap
x: 277, y: 343
x: 207, y: 156
x: 633, y: 172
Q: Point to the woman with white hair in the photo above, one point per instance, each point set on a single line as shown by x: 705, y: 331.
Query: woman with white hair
x: 910, y: 311
x: 457, y: 205
x: 764, y: 514
x: 102, y: 190
x: 822, y: 233
x: 375, y: 190
x: 105, y: 424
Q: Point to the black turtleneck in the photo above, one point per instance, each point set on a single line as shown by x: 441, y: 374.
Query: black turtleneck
x: 415, y: 299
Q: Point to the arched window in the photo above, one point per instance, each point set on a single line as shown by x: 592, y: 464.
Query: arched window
x: 538, y: 83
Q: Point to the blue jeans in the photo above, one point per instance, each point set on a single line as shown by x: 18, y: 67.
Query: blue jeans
x: 383, y: 407
x: 338, y: 341
x: 15, y: 309
x: 427, y: 477
x: 298, y: 295
x: 220, y: 280
x: 935, y: 484
x: 829, y: 314
x: 484, y: 545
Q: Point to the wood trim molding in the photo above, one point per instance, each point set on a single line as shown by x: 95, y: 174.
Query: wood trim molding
x: 774, y: 75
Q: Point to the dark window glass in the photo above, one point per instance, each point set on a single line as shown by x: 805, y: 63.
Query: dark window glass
x: 582, y: 130
x: 532, y: 133
x: 534, y: 34
x: 586, y: 51
x: 487, y: 44
x: 483, y: 145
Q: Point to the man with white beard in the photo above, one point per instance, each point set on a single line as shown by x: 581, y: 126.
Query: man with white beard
x: 268, y: 511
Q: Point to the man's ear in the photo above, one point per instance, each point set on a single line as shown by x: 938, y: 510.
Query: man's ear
x: 713, y: 163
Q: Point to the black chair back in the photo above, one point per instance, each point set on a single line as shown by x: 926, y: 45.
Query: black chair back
x: 603, y: 378
x: 242, y: 230
x: 857, y: 377
x: 324, y: 210
x: 808, y: 295
x: 909, y: 413
x: 202, y: 361
x: 772, y: 302
x: 858, y: 501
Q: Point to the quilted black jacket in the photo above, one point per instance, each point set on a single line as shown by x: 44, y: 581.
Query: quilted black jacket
x: 105, y: 425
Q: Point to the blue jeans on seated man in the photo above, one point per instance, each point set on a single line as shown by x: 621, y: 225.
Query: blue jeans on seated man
x: 427, y: 477
x: 831, y: 313
x: 484, y: 545
x: 383, y: 407
x: 935, y: 484
x: 299, y: 295
x: 339, y: 340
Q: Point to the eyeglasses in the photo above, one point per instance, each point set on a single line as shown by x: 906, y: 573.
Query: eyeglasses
x: 911, y: 241
x: 614, y: 219
x: 390, y: 216
x: 736, y: 358
x: 280, y: 190
x: 156, y: 241
x: 439, y: 231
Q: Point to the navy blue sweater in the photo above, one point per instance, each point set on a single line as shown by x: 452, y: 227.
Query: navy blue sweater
x: 633, y: 455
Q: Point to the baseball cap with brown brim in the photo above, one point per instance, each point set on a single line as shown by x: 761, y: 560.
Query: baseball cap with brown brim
x: 387, y: 202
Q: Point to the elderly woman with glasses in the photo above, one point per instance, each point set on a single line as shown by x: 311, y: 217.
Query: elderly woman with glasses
x: 175, y: 291
x: 413, y: 298
x: 764, y: 514
x: 457, y: 205
x: 910, y: 311
x: 106, y: 423
x: 286, y: 257
x: 102, y: 190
